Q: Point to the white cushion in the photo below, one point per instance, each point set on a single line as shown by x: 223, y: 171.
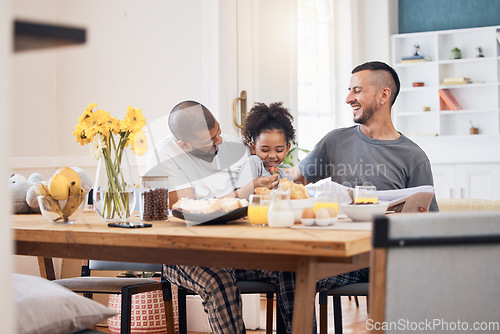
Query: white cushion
x: 45, y: 307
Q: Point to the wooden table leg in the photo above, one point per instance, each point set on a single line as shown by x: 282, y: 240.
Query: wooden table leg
x: 305, y: 291
x: 46, y: 267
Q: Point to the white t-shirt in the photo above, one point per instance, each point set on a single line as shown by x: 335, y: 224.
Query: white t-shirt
x: 208, y: 179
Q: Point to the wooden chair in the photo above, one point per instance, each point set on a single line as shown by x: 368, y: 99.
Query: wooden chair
x: 355, y: 290
x: 435, y: 266
x: 127, y: 287
x: 246, y: 287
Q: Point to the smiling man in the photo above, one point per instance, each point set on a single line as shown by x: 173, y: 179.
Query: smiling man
x: 371, y: 153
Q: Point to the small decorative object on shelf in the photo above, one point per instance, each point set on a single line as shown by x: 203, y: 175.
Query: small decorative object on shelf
x: 455, y: 53
x: 417, y: 50
x: 479, y: 52
x: 418, y: 84
x: 473, y: 130
x: 427, y: 108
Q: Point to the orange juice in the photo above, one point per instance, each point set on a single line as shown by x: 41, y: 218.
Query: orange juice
x: 318, y: 205
x: 366, y: 200
x: 257, y: 214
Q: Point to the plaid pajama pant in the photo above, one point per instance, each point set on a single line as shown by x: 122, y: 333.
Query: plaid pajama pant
x: 222, y: 299
x: 218, y: 290
x: 286, y: 283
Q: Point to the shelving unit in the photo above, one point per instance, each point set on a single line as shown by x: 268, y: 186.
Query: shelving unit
x: 480, y: 100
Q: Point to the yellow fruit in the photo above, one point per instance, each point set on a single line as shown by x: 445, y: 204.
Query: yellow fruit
x: 69, y: 174
x: 59, y: 187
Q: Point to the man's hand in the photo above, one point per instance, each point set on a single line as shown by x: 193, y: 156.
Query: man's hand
x: 296, y: 175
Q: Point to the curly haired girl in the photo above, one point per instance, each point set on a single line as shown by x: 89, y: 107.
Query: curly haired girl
x: 269, y: 133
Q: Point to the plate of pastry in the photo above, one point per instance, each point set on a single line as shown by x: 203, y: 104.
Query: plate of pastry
x: 209, y: 211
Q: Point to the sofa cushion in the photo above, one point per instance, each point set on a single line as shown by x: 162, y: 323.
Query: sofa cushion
x: 45, y: 307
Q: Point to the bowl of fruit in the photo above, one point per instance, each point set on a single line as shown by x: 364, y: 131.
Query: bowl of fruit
x: 62, y: 199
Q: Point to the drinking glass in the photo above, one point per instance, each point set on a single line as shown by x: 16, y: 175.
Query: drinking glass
x: 365, y: 195
x: 258, y: 206
x: 326, y: 199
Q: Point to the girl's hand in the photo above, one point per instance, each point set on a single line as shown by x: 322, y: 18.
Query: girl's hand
x: 270, y: 182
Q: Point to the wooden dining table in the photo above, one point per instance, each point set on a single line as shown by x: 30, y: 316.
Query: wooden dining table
x: 311, y: 253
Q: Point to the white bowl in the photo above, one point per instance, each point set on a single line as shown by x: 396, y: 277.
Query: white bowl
x: 324, y: 221
x: 298, y: 206
x: 307, y: 221
x: 363, y: 212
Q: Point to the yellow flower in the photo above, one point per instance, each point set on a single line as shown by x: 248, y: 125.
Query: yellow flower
x: 86, y: 114
x: 139, y: 142
x: 134, y: 121
x: 97, y: 123
x: 80, y: 135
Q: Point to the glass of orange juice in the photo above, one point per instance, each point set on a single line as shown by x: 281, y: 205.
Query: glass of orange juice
x: 258, y: 205
x: 365, y: 195
x: 328, y: 200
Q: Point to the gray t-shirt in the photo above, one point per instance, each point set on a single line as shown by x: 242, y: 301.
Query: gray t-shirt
x: 351, y: 158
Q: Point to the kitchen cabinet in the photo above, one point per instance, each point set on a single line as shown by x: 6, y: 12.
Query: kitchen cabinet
x: 418, y: 110
x: 467, y: 180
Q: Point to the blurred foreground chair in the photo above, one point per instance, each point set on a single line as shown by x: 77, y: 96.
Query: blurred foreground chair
x: 435, y: 266
x: 126, y: 286
x: 246, y: 287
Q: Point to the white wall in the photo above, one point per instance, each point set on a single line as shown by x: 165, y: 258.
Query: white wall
x: 7, y: 312
x: 148, y: 55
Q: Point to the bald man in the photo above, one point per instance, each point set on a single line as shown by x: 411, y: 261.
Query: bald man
x: 370, y: 153
x: 200, y: 162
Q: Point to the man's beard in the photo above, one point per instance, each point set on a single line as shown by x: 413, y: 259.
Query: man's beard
x: 210, y: 154
x: 367, y: 113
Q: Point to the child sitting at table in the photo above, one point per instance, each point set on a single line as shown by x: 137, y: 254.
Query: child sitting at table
x: 269, y: 133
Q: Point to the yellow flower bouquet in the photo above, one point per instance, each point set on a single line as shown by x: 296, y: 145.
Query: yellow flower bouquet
x: 108, y: 138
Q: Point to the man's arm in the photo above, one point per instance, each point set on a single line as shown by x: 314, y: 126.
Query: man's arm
x: 296, y: 174
x: 175, y: 195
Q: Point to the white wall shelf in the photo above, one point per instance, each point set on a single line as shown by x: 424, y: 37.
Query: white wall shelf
x: 479, y: 100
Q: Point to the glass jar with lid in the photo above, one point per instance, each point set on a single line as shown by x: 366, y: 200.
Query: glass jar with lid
x: 154, y: 198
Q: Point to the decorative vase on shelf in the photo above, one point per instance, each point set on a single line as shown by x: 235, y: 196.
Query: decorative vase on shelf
x: 455, y: 53
x: 114, y: 196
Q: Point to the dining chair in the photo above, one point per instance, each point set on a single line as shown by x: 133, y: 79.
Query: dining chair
x: 354, y: 289
x: 245, y: 287
x: 437, y: 267
x: 126, y: 286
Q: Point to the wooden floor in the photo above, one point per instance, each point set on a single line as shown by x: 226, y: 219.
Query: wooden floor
x: 354, y: 318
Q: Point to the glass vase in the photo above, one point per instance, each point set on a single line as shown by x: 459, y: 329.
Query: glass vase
x: 114, y: 196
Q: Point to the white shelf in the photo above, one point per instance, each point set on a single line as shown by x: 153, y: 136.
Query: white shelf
x: 416, y: 64
x: 466, y: 111
x: 417, y: 89
x: 480, y: 100
x: 416, y: 113
x: 470, y: 85
x: 467, y: 60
